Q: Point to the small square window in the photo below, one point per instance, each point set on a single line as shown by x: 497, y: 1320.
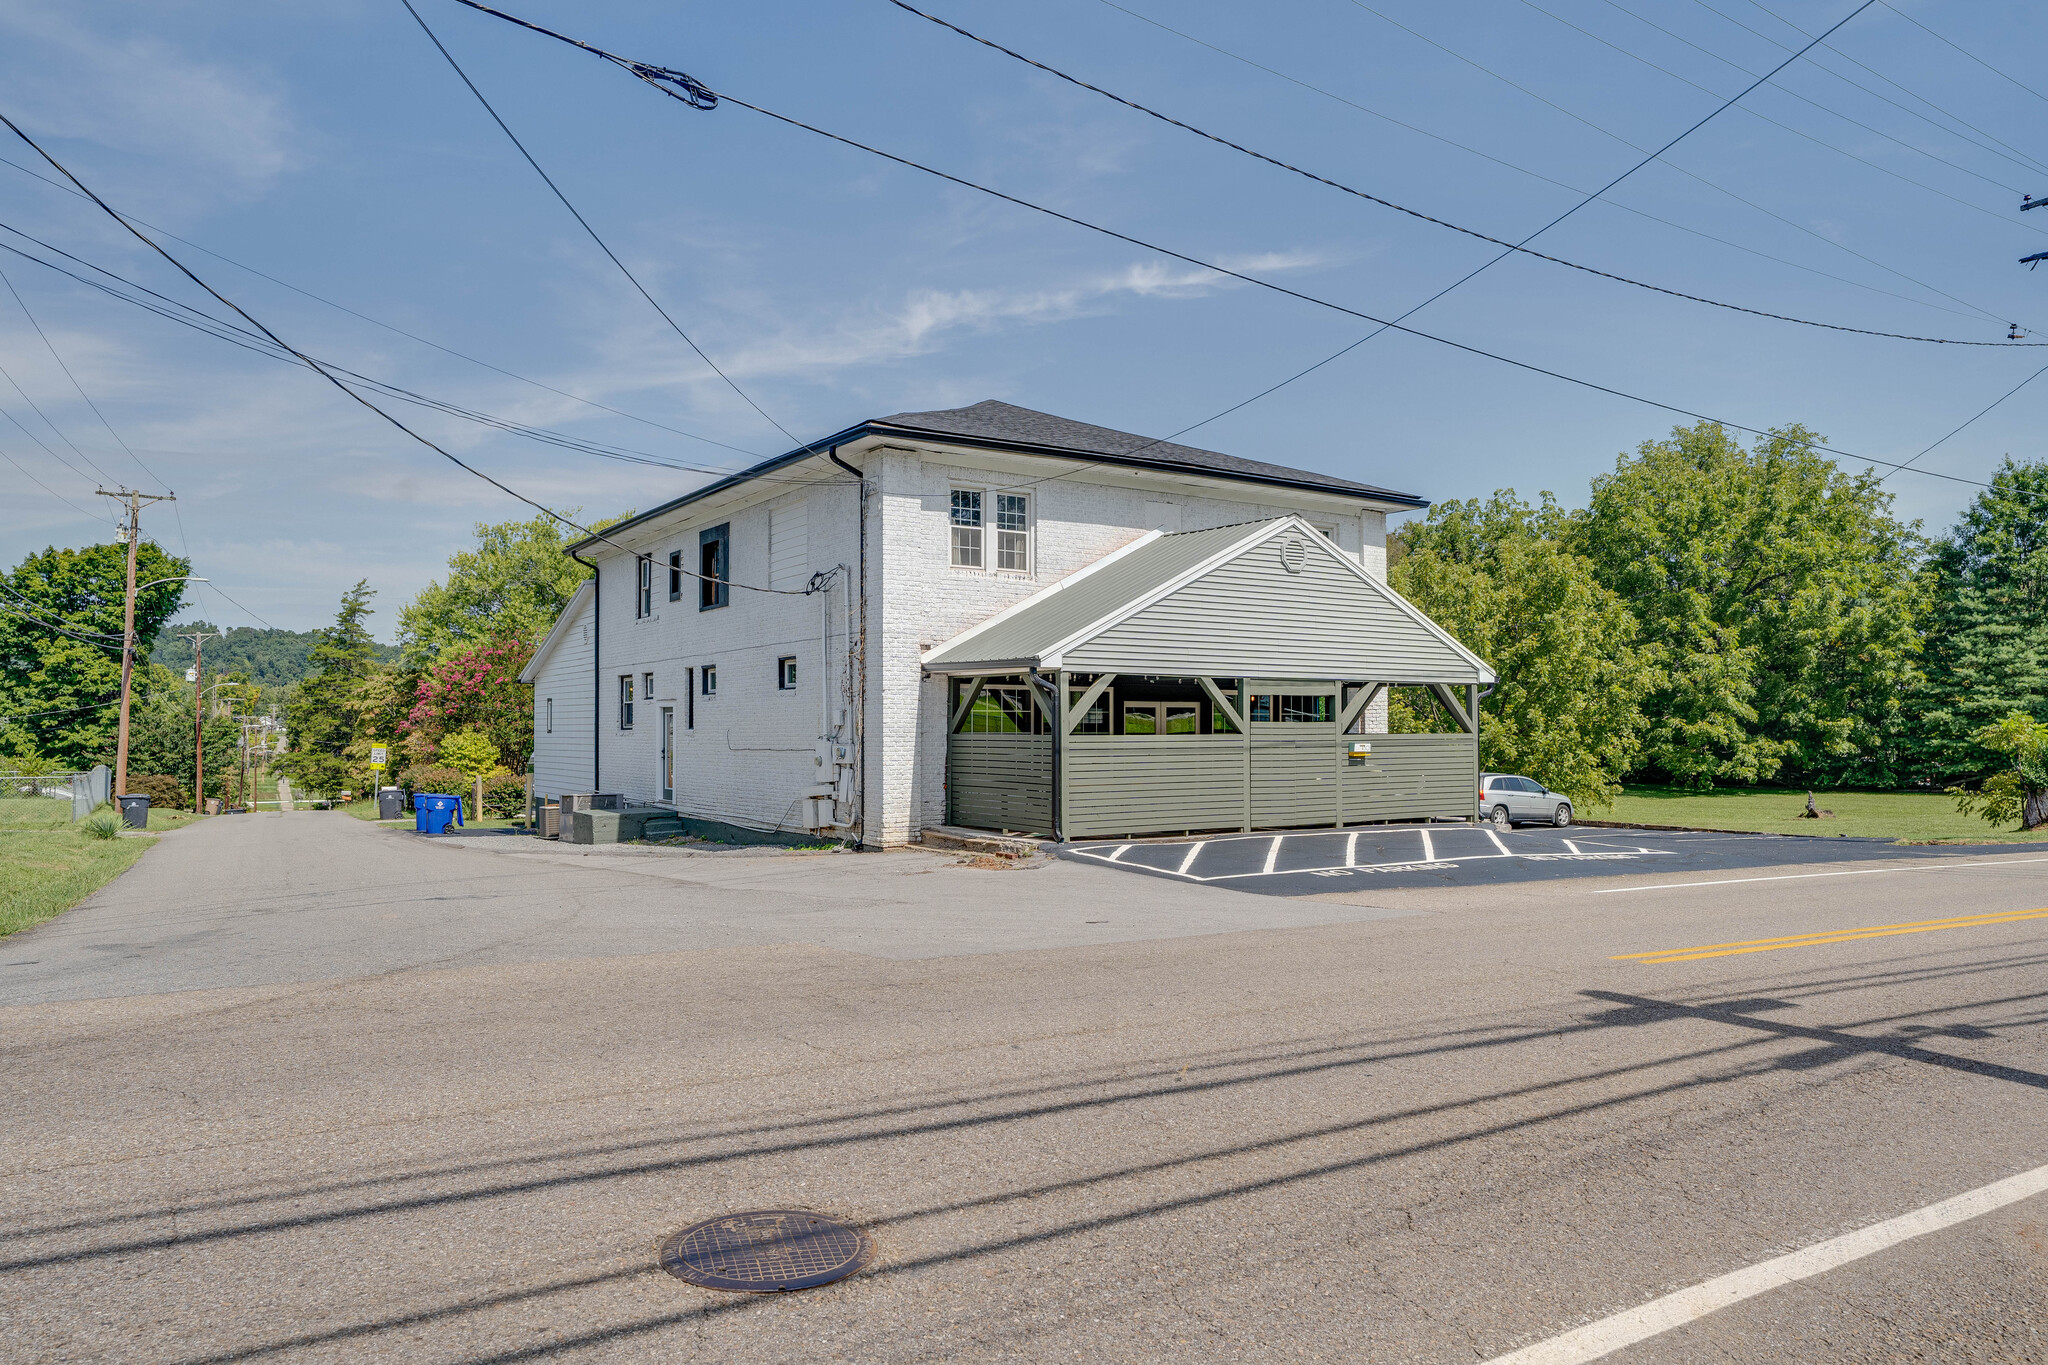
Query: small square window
x: 785, y: 672
x: 709, y: 674
x: 647, y: 686
x: 967, y: 528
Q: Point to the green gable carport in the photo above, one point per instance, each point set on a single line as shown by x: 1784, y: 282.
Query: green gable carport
x: 1204, y: 680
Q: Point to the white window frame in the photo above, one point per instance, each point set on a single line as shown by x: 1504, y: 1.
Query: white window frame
x: 785, y: 673
x: 966, y: 539
x: 987, y: 545
x: 707, y: 679
x: 643, y: 600
x: 551, y: 716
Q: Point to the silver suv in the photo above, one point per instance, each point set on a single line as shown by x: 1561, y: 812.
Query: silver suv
x: 1505, y: 799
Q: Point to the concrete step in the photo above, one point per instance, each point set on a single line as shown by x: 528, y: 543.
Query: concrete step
x: 981, y: 841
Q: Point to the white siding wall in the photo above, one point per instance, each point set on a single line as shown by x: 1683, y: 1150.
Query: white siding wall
x: 561, y: 755
x: 751, y: 750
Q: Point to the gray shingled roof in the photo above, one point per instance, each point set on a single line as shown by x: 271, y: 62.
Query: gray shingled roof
x: 1008, y: 427
x: 1007, y: 424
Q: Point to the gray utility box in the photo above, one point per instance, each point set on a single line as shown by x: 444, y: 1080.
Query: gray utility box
x: 593, y: 801
x: 618, y: 826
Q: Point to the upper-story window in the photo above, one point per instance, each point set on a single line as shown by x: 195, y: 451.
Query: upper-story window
x: 643, y: 597
x: 714, y: 561
x: 1011, y: 513
x: 675, y: 575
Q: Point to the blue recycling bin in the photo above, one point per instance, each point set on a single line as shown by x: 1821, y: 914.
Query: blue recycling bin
x: 433, y: 813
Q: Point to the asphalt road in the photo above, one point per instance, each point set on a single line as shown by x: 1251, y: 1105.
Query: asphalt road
x: 1426, y: 1124
x: 1311, y: 862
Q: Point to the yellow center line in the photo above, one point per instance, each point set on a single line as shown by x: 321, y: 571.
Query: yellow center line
x: 1768, y: 945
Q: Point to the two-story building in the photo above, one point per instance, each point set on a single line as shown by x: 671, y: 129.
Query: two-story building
x: 995, y: 617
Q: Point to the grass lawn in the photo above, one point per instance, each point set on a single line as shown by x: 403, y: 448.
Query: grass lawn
x: 1911, y: 817
x: 47, y: 865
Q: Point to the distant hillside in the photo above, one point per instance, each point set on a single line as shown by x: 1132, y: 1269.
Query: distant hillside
x: 272, y: 658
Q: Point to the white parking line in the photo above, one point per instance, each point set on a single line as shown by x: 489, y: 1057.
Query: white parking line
x: 1273, y: 853
x: 1496, y: 841
x: 1121, y: 849
x: 1570, y: 845
x: 1431, y: 859
x: 1351, y: 849
x: 1189, y: 861
x: 1428, y: 849
x: 1689, y: 1305
x: 1932, y: 866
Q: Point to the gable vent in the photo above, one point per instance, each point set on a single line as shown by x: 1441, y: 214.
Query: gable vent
x: 1293, y: 555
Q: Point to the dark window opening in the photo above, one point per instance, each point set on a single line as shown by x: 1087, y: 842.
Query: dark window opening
x: 689, y: 699
x: 675, y: 575
x: 709, y: 674
x: 785, y: 672
x: 1281, y: 708
x: 626, y: 702
x: 714, y: 556
x: 643, y: 601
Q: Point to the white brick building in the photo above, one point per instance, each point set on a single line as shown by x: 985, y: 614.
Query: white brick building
x: 746, y: 640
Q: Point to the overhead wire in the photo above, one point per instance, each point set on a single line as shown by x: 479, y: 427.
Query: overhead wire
x: 1743, y: 70
x: 1819, y: 142
x: 327, y: 374
x: 691, y: 90
x: 66, y: 710
x: 1965, y: 51
x: 176, y: 311
x: 89, y: 516
x: 585, y: 223
x: 1445, y: 223
x: 1975, y: 313
x: 390, y: 327
x: 2024, y: 160
x: 1986, y: 408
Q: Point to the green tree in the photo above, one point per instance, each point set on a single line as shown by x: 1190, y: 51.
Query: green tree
x: 57, y: 688
x: 2020, y: 790
x: 1566, y: 709
x: 1987, y: 639
x: 160, y: 731
x: 321, y: 719
x: 472, y: 753
x: 512, y: 584
x: 1779, y: 597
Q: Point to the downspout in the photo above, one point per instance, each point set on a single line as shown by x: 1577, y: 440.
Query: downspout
x: 860, y: 668
x: 596, y: 662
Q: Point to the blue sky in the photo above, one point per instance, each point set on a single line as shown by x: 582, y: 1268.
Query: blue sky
x: 329, y: 146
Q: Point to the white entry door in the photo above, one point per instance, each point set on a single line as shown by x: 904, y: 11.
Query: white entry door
x: 668, y: 753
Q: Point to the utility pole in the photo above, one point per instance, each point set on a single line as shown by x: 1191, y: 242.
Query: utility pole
x: 134, y: 537
x: 199, y: 638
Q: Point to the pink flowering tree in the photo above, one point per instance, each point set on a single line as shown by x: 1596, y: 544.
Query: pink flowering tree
x: 477, y: 689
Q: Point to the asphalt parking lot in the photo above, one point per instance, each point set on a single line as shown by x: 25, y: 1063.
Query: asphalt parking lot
x: 1315, y: 862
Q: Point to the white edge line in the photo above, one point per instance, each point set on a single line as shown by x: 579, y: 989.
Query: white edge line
x: 1610, y: 1334
x: 1930, y: 866
x: 1189, y: 861
x: 1428, y: 848
x: 1273, y: 853
x: 1121, y: 849
x: 1351, y: 849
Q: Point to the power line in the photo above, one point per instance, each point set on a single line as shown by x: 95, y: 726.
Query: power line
x: 1737, y: 66
x: 327, y: 374
x: 1443, y: 223
x: 90, y: 516
x: 1974, y: 314
x: 1965, y: 51
x: 630, y: 276
x: 1992, y: 404
x: 688, y: 90
x: 188, y: 316
x: 378, y: 322
x: 2018, y: 158
x: 51, y: 347
x: 5, y: 373
x: 65, y: 710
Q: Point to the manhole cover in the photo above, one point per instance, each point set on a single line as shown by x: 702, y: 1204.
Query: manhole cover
x: 768, y: 1251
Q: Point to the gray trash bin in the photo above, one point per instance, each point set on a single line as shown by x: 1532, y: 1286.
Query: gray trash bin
x: 135, y: 810
x: 390, y: 804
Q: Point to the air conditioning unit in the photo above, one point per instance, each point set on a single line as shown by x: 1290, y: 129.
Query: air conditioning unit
x: 551, y: 821
x: 593, y: 801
